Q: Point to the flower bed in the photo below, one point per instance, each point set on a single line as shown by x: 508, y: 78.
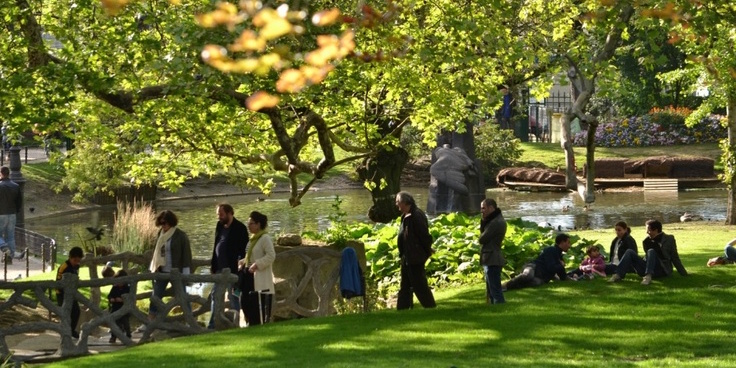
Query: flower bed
x: 655, y: 130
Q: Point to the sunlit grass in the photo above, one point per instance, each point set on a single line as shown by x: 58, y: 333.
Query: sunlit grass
x: 552, y: 156
x: 676, y: 321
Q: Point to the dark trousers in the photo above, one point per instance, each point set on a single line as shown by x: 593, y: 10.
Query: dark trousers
x: 494, y: 293
x: 256, y: 305
x: 526, y: 278
x: 75, y: 313
x: 122, y: 322
x: 414, y: 281
x: 631, y: 262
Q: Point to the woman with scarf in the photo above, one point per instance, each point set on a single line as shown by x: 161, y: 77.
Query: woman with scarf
x: 492, y: 232
x: 257, y: 285
x: 172, y: 251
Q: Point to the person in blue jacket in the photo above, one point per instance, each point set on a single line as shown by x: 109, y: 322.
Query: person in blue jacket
x: 548, y: 265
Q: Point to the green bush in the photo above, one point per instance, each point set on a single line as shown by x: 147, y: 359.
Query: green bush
x: 456, y: 257
x: 496, y: 148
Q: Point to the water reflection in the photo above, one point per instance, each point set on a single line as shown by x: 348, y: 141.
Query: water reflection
x: 197, y: 216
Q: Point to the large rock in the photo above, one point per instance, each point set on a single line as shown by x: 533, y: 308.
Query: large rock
x: 289, y: 240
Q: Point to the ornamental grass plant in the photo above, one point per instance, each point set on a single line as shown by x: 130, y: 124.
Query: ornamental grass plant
x: 135, y: 227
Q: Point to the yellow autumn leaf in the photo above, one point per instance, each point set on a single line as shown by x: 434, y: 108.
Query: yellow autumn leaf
x: 228, y: 8
x: 113, y: 7
x: 265, y: 16
x: 272, y: 60
x: 250, y: 6
x: 290, y: 81
x: 322, y: 55
x: 316, y: 75
x: 261, y: 100
x: 213, y: 52
x: 245, y: 65
x: 326, y: 17
x: 347, y: 43
x: 248, y: 41
x: 276, y: 28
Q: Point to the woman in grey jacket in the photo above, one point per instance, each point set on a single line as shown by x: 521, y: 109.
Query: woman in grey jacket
x: 492, y: 232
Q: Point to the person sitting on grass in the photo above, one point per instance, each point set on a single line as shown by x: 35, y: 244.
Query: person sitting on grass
x: 729, y: 256
x: 546, y: 267
x: 592, y: 265
x: 661, y: 255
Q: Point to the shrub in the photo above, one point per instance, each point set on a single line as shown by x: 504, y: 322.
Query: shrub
x: 135, y: 228
x: 496, y: 148
x: 456, y: 257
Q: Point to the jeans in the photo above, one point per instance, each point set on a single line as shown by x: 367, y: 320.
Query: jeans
x: 7, y: 232
x: 492, y: 276
x: 414, y: 280
x: 159, y: 288
x: 631, y: 262
x: 730, y: 253
x: 234, y: 305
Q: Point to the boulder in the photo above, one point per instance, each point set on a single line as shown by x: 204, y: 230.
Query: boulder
x: 289, y: 240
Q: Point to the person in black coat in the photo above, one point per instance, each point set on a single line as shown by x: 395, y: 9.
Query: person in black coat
x: 415, y: 248
x: 231, y: 240
x: 543, y: 269
x: 619, y: 245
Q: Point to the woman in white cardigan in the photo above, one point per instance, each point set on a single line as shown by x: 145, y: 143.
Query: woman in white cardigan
x: 259, y: 276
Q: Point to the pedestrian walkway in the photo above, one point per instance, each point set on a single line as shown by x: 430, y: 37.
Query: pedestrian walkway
x: 22, y: 268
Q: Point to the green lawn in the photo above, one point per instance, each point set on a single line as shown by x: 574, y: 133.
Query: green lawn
x: 678, y: 321
x: 552, y: 156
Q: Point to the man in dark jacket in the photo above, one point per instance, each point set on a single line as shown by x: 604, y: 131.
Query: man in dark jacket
x: 661, y: 255
x: 231, y: 240
x: 415, y: 247
x: 492, y: 232
x: 548, y: 265
x: 10, y: 206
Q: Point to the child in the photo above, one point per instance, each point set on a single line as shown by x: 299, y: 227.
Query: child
x: 592, y: 265
x: 70, y: 266
x: 115, y: 299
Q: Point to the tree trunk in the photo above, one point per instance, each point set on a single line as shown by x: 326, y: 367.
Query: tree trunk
x: 590, y: 162
x: 571, y: 179
x: 385, y: 166
x: 730, y: 152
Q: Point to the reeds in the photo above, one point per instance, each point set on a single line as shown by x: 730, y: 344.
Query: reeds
x: 135, y: 229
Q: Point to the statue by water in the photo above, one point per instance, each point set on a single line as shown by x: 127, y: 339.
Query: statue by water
x: 456, y: 184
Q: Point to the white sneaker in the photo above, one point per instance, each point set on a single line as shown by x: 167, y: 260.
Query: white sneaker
x: 615, y: 278
x: 647, y: 280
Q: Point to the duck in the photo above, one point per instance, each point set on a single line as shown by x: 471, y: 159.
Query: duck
x: 566, y: 208
x: 687, y: 217
x: 587, y: 208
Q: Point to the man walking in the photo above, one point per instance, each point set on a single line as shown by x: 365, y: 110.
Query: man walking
x: 231, y: 240
x: 10, y: 205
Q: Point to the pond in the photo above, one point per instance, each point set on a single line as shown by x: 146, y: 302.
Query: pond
x: 197, y: 216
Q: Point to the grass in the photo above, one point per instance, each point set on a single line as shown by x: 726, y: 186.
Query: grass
x: 677, y: 321
x: 551, y: 155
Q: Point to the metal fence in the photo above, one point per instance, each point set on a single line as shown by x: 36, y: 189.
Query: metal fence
x: 540, y: 114
x: 38, y: 245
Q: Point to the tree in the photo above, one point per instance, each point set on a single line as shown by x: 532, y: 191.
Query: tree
x: 591, y: 45
x: 142, y: 106
x: 705, y: 32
